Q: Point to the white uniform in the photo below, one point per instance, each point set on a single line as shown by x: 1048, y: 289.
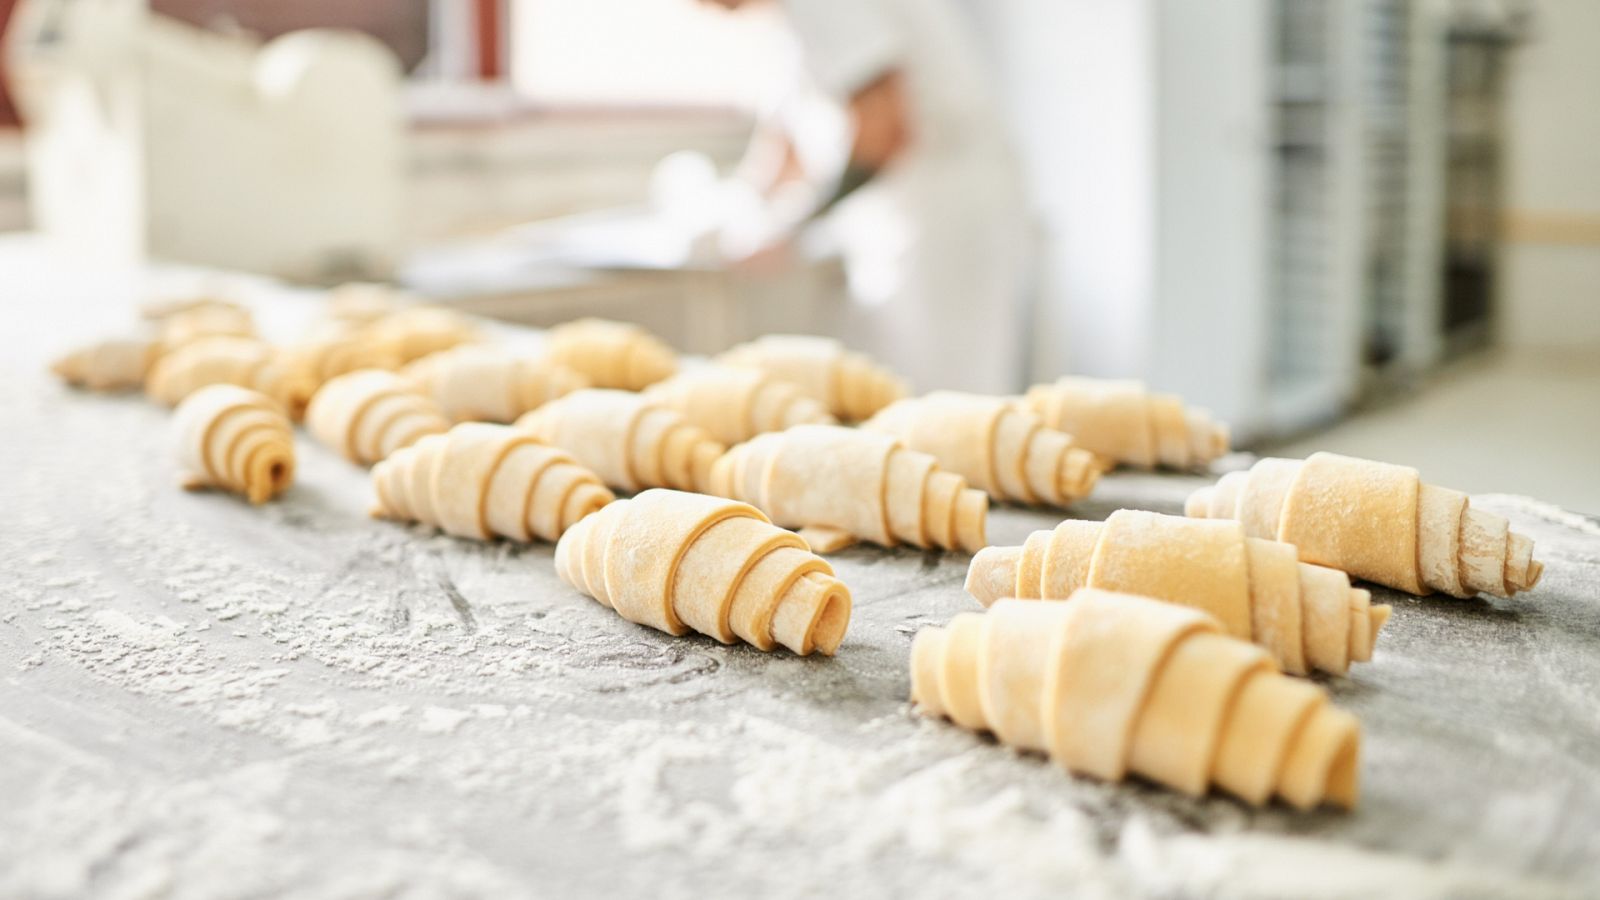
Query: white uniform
x: 937, y: 246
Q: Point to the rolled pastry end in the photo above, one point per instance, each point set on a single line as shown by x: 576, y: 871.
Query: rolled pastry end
x: 812, y: 615
x: 270, y: 469
x: 993, y: 574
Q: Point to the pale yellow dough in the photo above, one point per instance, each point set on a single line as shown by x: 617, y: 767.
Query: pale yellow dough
x: 483, y: 383
x: 612, y: 354
x: 416, y: 331
x: 837, y: 484
x: 1111, y: 684
x: 203, y: 321
x: 998, y: 448
x: 363, y: 302
x: 849, y: 385
x: 1376, y: 521
x: 125, y: 363
x: 117, y: 364
x: 679, y: 562
x: 1307, y: 617
x: 1126, y: 424
x: 223, y: 359
x: 335, y: 349
x: 161, y: 310
x: 629, y: 441
x: 368, y: 414
x: 235, y: 439
x: 735, y: 405
x: 479, y: 480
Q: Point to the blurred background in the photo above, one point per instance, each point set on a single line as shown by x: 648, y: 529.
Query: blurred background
x: 1370, y: 226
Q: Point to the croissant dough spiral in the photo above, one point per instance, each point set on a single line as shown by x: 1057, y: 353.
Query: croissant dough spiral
x: 1125, y: 423
x: 630, y: 442
x: 235, y: 439
x: 116, y: 364
x: 1111, y: 684
x: 735, y: 405
x: 676, y: 561
x: 612, y: 354
x: 245, y: 362
x: 479, y: 480
x: 1002, y: 450
x: 1376, y: 521
x: 368, y: 414
x: 849, y: 385
x: 473, y: 382
x: 840, y: 484
x: 1306, y: 616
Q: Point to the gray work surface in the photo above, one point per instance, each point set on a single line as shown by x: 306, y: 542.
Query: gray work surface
x: 203, y: 699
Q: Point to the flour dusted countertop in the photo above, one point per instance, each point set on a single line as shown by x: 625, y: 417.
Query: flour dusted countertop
x: 203, y: 699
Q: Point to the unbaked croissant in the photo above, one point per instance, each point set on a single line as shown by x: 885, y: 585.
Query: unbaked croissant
x: 477, y: 382
x: 368, y: 414
x: 613, y: 354
x: 1376, y: 521
x: 109, y: 365
x: 479, y: 480
x: 735, y: 405
x: 416, y: 331
x: 1307, y: 617
x: 849, y: 385
x: 999, y: 449
x: 203, y: 321
x: 325, y: 356
x: 1125, y: 423
x: 246, y: 362
x: 362, y: 302
x: 235, y: 439
x: 630, y: 442
x: 1110, y: 684
x: 676, y: 561
x: 840, y: 484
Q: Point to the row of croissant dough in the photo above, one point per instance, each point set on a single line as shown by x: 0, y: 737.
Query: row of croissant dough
x: 1171, y: 661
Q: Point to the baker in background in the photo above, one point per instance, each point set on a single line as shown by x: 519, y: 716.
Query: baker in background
x: 916, y: 185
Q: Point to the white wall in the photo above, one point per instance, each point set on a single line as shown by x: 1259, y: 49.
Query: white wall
x: 1209, y: 305
x: 1550, y: 276
x: 1078, y: 78
x: 1142, y: 125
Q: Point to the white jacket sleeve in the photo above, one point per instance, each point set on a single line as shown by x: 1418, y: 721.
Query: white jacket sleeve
x: 846, y: 43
